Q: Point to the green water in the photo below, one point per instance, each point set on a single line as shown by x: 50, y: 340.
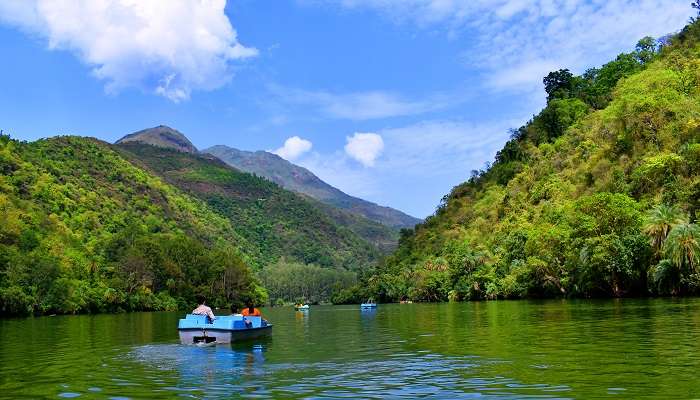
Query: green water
x: 554, y: 349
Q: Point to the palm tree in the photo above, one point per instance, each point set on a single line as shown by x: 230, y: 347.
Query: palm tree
x: 682, y: 246
x: 659, y: 223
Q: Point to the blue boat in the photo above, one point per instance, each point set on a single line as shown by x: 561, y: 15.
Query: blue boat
x: 370, y: 304
x: 197, y: 329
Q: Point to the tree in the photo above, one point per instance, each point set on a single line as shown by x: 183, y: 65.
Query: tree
x: 682, y: 247
x: 646, y: 49
x: 696, y: 5
x: 558, y: 84
x: 659, y: 222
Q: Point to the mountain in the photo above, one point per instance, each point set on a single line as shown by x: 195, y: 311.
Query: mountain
x: 301, y: 180
x: 84, y: 230
x: 378, y: 235
x: 275, y: 222
x: 596, y: 196
x: 163, y: 136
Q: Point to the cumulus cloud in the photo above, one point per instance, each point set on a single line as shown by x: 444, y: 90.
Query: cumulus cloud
x: 364, y: 147
x: 166, y: 47
x: 518, y: 41
x: 293, y: 148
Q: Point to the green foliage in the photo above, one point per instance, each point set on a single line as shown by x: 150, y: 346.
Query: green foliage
x: 682, y: 247
x: 558, y: 84
x: 657, y: 171
x: 83, y: 230
x: 589, y: 198
x: 553, y: 121
x: 659, y: 222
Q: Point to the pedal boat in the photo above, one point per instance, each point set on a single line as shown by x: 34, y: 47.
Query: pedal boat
x: 196, y: 329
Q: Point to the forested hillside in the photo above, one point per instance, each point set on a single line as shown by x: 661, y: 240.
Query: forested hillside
x: 84, y: 230
x: 597, y: 195
x: 275, y: 222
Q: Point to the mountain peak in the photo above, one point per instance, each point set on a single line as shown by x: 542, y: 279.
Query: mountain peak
x: 161, y: 136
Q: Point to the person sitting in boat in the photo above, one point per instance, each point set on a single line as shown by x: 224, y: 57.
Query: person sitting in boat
x: 203, y: 309
x: 251, y: 311
x: 235, y: 313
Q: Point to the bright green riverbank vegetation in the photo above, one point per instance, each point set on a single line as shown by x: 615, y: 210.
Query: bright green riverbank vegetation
x: 84, y: 230
x: 598, y: 195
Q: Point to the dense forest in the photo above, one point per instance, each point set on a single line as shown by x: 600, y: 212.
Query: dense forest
x: 597, y: 195
x: 84, y: 230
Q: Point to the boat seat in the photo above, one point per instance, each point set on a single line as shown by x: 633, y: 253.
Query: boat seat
x: 221, y: 322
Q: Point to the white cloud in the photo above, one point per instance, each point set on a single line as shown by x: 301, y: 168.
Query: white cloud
x: 516, y: 42
x: 167, y: 47
x: 293, y: 148
x: 364, y: 147
x: 360, y: 106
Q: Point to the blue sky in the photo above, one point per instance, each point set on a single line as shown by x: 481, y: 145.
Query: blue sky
x: 394, y: 101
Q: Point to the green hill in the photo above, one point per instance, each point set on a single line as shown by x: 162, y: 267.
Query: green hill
x: 84, y: 230
x: 275, y: 222
x: 596, y: 196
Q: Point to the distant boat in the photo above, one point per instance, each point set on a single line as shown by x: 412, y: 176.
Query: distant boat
x: 300, y: 307
x: 368, y: 305
x: 195, y: 329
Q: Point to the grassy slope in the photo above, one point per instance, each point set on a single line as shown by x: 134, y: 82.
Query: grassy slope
x: 563, y: 215
x: 277, y: 222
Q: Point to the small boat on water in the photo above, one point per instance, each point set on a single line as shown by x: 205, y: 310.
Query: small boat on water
x: 370, y: 304
x: 301, y: 307
x: 196, y: 329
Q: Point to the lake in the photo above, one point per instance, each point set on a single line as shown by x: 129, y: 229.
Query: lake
x: 502, y: 349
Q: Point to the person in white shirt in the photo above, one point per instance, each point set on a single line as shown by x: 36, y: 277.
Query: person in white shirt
x: 203, y: 309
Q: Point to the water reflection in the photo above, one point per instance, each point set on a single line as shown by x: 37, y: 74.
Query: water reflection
x: 222, y: 371
x: 212, y: 370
